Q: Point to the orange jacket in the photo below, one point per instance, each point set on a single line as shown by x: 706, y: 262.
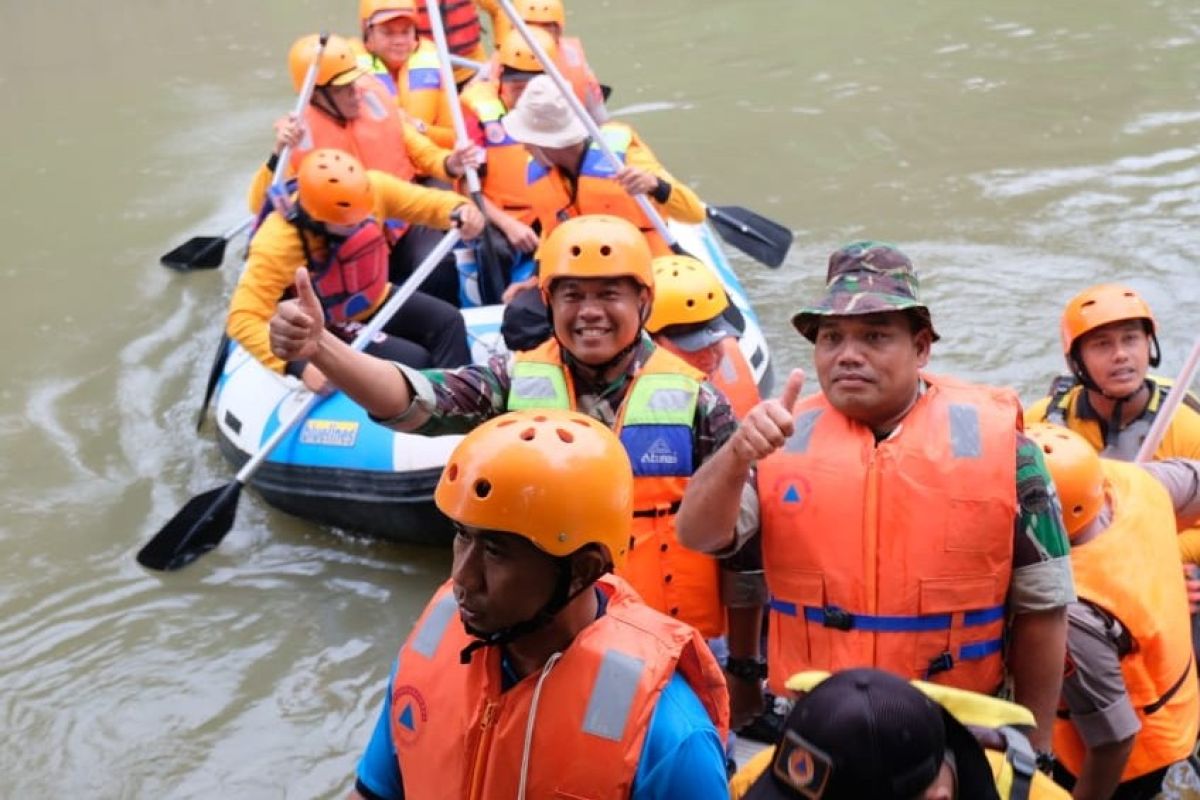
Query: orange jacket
x: 457, y: 735
x: 670, y: 578
x: 557, y: 198
x: 503, y: 180
x: 460, y: 19
x: 1146, y: 594
x: 896, y: 555
x: 734, y: 378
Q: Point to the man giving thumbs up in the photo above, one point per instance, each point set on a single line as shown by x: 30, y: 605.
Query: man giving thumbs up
x: 906, y: 522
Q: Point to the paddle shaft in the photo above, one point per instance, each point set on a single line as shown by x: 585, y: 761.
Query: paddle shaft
x: 592, y: 128
x: 488, y: 277
x: 364, y: 337
x: 459, y: 61
x: 1158, y: 429
x: 302, y: 101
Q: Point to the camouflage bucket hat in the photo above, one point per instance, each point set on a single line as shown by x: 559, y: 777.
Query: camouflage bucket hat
x: 865, y: 278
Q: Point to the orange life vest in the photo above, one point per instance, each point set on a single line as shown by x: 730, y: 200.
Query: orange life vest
x: 1146, y: 593
x: 457, y: 735
x: 417, y: 89
x: 896, y: 555
x: 460, y: 19
x: 735, y: 379
x: 655, y: 425
x: 555, y: 200
x: 352, y: 281
x: 573, y: 64
x: 504, y: 176
x: 375, y: 137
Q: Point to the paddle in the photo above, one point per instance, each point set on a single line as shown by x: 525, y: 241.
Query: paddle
x: 203, y: 522
x: 302, y: 100
x: 491, y: 273
x: 1162, y: 420
x: 767, y: 243
x: 203, y: 252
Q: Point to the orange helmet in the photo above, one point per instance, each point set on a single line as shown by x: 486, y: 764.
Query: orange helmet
x: 334, y: 187
x: 558, y: 478
x: 543, y: 12
x: 1075, y: 468
x: 515, y: 52
x: 338, y: 66
x: 374, y: 12
x: 1097, y: 306
x: 686, y: 292
x: 595, y: 246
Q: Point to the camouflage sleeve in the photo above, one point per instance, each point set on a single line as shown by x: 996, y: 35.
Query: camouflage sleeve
x: 1042, y: 577
x: 715, y: 423
x: 458, y: 400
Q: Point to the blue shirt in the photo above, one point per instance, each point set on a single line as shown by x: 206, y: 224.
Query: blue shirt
x: 681, y: 755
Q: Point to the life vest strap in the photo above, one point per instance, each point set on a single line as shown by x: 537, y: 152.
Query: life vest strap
x: 660, y: 511
x: 1167, y: 695
x: 840, y: 619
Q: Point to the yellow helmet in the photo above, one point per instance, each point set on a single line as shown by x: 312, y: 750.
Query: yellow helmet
x: 543, y: 12
x: 515, y: 52
x: 375, y: 12
x: 686, y: 292
x: 558, y: 478
x: 594, y: 246
x: 338, y: 66
x: 1075, y: 468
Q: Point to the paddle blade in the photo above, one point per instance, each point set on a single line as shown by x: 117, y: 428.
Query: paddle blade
x: 199, y: 252
x: 762, y: 239
x: 197, y: 528
x: 214, y: 377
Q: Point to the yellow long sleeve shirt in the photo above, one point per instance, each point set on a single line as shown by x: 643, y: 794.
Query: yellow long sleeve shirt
x: 276, y: 252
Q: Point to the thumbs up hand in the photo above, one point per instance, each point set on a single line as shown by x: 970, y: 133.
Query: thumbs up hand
x: 769, y: 424
x: 297, y: 325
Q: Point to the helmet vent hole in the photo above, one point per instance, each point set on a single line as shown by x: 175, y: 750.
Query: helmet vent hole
x: 540, y: 418
x: 690, y: 302
x: 565, y: 435
x: 710, y: 295
x: 1087, y: 303
x: 483, y: 487
x: 528, y: 434
x: 334, y: 180
x: 505, y: 423
x: 451, y: 473
x: 1077, y: 510
x: 575, y: 251
x: 1048, y: 449
x: 605, y: 250
x: 582, y: 423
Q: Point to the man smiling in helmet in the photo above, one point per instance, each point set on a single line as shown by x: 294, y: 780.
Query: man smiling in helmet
x: 595, y: 274
x: 534, y: 673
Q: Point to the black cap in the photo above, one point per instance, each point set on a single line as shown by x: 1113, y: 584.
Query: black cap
x: 864, y: 733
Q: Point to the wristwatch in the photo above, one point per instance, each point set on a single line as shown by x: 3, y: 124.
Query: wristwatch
x: 1045, y: 762
x: 750, y: 670
x: 456, y: 215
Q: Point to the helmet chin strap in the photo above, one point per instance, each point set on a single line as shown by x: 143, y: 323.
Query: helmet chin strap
x: 559, y: 600
x: 596, y: 371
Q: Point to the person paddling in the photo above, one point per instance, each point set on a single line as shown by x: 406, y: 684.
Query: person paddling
x: 330, y: 232
x: 534, y: 672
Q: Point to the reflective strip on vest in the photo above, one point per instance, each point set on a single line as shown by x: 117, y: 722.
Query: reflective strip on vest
x: 380, y: 71
x: 595, y: 162
x: 424, y: 72
x: 965, y: 441
x: 430, y: 636
x: 656, y: 428
x: 805, y: 424
x: 537, y: 386
x: 535, y: 171
x: 612, y: 695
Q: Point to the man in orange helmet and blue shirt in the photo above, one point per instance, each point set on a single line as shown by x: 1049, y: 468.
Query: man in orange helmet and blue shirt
x: 533, y: 672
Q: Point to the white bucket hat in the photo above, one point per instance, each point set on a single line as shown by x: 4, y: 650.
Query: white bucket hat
x: 543, y: 117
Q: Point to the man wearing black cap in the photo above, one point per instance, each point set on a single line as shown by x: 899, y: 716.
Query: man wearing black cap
x: 906, y: 522
x: 864, y: 733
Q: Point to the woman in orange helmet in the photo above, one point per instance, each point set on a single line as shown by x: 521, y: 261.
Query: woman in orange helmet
x: 331, y: 232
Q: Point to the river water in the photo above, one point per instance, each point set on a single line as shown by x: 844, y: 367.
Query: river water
x: 1016, y: 153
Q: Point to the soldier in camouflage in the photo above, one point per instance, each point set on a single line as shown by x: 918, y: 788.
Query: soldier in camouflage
x: 870, y: 492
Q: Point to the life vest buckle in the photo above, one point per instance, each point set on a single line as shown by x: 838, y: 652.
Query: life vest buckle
x: 837, y: 618
x: 942, y: 663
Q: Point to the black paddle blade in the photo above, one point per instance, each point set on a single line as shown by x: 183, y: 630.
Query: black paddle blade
x: 199, y: 252
x: 762, y: 239
x: 214, y: 375
x: 197, y: 528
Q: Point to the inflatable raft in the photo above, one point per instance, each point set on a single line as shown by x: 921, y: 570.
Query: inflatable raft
x: 339, y: 468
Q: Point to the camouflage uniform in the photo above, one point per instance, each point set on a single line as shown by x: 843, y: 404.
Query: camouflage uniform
x: 460, y: 399
x: 875, y: 278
